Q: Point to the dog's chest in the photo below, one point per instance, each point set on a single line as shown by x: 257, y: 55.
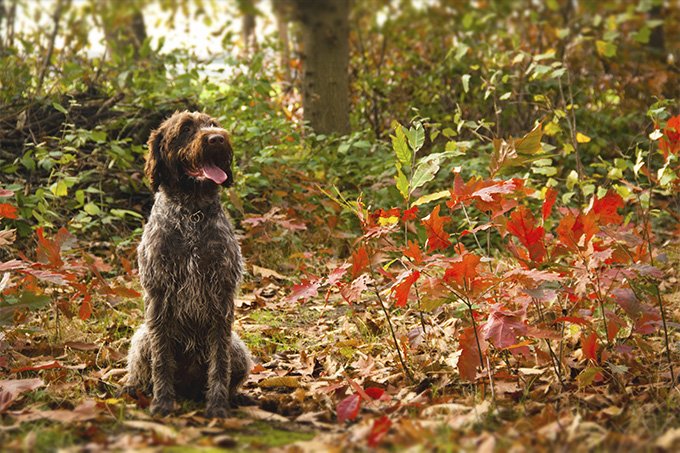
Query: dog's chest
x: 197, y: 266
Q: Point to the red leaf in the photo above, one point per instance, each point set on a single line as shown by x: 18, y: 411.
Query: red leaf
x: 606, y: 208
x: 503, y: 328
x: 359, y: 261
x: 375, y: 392
x: 469, y: 357
x: 413, y: 251
x: 589, y: 346
x: 304, y: 290
x: 402, y: 288
x: 8, y: 211
x: 549, y: 202
x: 85, y: 307
x: 437, y: 238
x: 409, y: 214
x: 670, y: 142
x: 381, y: 427
x: 48, y: 251
x: 40, y: 366
x: 572, y: 228
x: 348, y: 409
x: 462, y: 273
x: 522, y: 224
x: 5, y: 193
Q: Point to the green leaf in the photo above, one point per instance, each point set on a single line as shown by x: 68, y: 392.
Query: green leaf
x: 431, y: 197
x: 605, y: 49
x: 91, y: 209
x: 530, y: 143
x: 59, y: 108
x: 466, y: 82
x: 400, y: 146
x: 425, y: 172
x: 402, y: 183
x: 59, y: 188
x: 416, y: 137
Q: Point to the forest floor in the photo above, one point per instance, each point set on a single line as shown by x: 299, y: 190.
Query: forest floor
x: 310, y: 357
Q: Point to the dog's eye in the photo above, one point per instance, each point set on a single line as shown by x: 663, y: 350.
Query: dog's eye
x: 186, y: 129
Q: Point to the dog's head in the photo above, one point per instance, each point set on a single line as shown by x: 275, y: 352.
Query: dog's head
x: 189, y: 151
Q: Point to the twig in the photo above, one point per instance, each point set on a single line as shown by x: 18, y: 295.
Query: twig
x: 50, y: 50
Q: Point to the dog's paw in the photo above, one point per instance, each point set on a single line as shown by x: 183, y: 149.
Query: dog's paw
x: 217, y: 411
x: 241, y: 399
x: 162, y: 407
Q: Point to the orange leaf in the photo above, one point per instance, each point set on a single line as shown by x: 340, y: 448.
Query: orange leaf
x: 522, y: 224
x: 463, y: 272
x: 402, y: 288
x: 8, y: 211
x: 85, y: 308
x: 413, y: 251
x: 548, y: 203
x: 437, y: 238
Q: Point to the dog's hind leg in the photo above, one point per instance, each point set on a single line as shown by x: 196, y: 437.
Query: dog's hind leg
x: 241, y: 364
x: 139, y: 363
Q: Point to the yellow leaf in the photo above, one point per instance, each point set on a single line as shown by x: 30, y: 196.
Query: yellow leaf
x: 383, y: 221
x: 582, y: 138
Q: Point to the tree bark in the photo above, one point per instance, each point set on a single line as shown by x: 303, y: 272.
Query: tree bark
x: 325, y: 59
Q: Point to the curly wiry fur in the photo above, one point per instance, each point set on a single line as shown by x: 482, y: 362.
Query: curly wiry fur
x: 190, y: 266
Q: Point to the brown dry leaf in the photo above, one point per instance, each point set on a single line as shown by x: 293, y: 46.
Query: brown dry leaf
x: 10, y: 389
x: 267, y: 273
x: 670, y: 440
x: 163, y: 432
x: 260, y: 414
x: 87, y: 410
x: 281, y: 381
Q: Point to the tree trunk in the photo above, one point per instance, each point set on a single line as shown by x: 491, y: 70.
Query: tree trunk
x: 248, y: 12
x: 123, y: 27
x: 325, y: 58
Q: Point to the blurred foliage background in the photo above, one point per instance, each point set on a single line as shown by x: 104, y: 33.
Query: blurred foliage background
x: 83, y: 83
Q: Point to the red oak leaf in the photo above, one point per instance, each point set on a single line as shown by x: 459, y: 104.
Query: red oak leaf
x: 402, y: 287
x: 522, y: 224
x: 359, y: 261
x: 670, y: 142
x: 348, y: 409
x: 463, y: 273
x: 606, y: 208
x: 549, y: 202
x: 572, y: 228
x: 437, y: 238
x: 503, y: 328
x: 305, y: 289
x: 413, y: 251
x: 469, y: 357
x: 589, y: 346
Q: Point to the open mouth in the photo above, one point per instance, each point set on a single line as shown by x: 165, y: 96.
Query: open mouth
x: 211, y: 172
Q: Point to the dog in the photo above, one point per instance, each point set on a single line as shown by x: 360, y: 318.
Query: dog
x: 190, y: 266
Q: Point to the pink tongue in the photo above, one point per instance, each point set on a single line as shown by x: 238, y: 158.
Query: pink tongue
x: 214, y: 173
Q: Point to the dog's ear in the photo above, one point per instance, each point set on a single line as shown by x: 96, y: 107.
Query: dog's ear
x: 155, y: 166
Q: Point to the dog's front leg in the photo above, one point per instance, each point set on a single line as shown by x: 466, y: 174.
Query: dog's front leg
x: 162, y: 371
x: 219, y: 368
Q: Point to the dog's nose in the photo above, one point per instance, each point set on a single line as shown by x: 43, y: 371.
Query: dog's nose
x: 215, y: 139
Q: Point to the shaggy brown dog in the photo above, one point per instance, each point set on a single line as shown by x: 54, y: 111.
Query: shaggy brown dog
x: 190, y: 266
